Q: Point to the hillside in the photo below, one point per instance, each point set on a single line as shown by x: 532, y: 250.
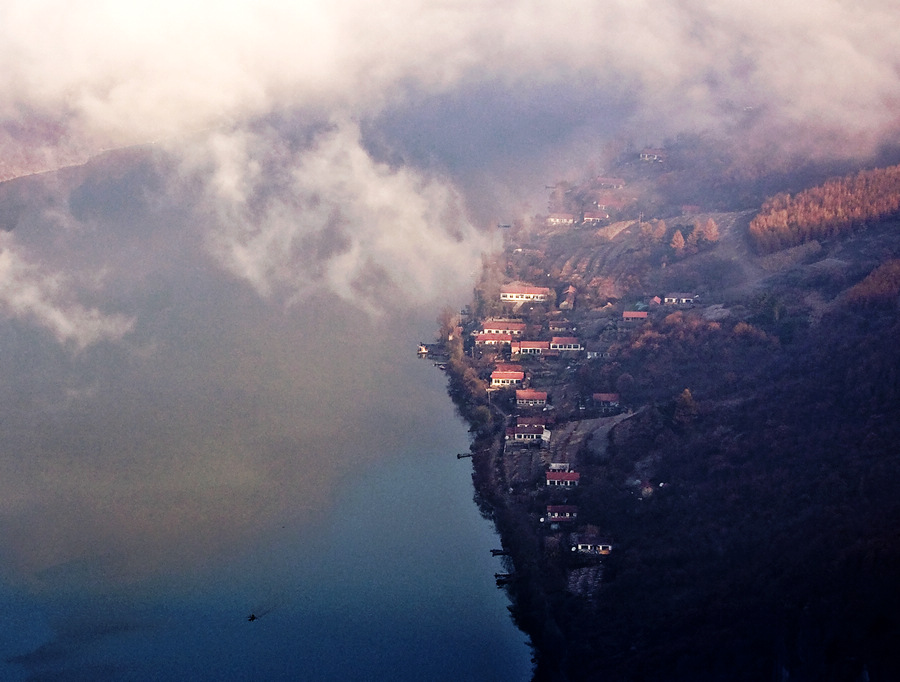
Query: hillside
x: 746, y: 477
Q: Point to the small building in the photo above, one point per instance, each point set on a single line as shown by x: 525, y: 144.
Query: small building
x: 560, y: 325
x: 531, y: 420
x: 606, y: 401
x: 526, y: 434
x: 561, y: 219
x: 597, y: 349
x: 680, y: 299
x: 595, y: 217
x: 523, y: 292
x: 529, y: 347
x: 566, y: 479
x: 611, y: 183
x: 505, y: 379
x: 610, y: 202
x: 559, y: 466
x: 530, y: 397
x: 591, y: 544
x: 653, y: 155
x: 503, y: 327
x: 492, y: 339
x: 634, y: 316
x: 561, y: 512
x: 565, y: 343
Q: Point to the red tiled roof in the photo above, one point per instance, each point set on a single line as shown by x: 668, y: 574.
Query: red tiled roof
x: 606, y: 397
x: 507, y: 375
x: 502, y: 338
x: 563, y: 476
x: 523, y: 289
x: 534, y: 344
x: 505, y: 326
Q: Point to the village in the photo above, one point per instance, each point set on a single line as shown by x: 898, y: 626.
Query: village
x: 531, y: 352
x: 644, y: 385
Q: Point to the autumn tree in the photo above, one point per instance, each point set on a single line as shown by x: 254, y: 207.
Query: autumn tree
x: 447, y: 321
x: 685, y: 408
x: 710, y: 231
x: 677, y: 242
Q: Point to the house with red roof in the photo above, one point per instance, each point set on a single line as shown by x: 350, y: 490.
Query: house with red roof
x: 516, y: 293
x: 529, y: 347
x: 566, y: 479
x: 634, y: 316
x: 531, y: 397
x: 606, y: 399
x: 565, y: 343
x: 608, y: 201
x: 531, y: 420
x: 503, y: 327
x: 493, y: 339
x: 506, y: 378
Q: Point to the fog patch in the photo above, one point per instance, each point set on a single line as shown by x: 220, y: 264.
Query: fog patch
x: 328, y: 215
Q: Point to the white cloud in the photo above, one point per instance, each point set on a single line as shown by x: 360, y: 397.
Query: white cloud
x: 329, y: 215
x: 45, y: 298
x: 96, y: 74
x: 129, y: 72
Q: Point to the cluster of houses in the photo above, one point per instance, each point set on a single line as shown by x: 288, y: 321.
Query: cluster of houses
x: 678, y: 299
x: 603, y: 196
x: 531, y: 425
x: 518, y: 341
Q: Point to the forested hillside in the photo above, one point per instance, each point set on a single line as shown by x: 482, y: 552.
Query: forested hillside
x: 836, y: 208
x: 749, y: 489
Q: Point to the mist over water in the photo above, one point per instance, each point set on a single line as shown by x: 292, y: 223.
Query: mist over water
x: 181, y: 449
x: 200, y: 332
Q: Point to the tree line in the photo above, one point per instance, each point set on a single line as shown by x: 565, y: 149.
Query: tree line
x: 835, y: 208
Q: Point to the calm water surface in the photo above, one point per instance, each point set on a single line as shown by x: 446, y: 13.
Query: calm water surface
x: 231, y: 453
x: 392, y: 580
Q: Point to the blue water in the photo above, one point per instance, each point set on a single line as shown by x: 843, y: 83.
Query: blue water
x: 232, y: 454
x: 393, y: 580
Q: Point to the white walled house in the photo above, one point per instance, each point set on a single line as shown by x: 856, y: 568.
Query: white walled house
x: 516, y: 293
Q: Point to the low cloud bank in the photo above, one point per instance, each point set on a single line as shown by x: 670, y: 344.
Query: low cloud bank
x: 30, y: 293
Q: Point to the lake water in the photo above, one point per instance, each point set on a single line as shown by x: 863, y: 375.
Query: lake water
x: 392, y: 580
x: 228, y: 454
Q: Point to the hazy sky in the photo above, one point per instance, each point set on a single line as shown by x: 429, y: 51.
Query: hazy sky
x: 310, y: 183
x: 338, y: 142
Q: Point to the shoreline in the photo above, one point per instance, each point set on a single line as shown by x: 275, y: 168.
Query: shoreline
x: 531, y: 601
